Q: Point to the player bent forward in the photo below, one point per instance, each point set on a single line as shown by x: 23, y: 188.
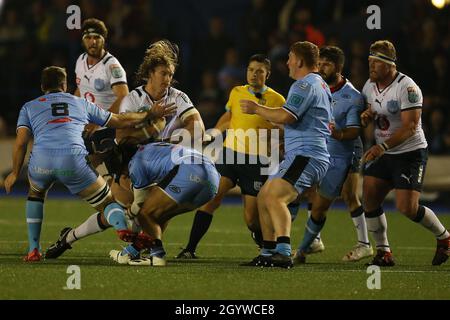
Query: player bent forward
x: 167, y: 180
x: 55, y: 121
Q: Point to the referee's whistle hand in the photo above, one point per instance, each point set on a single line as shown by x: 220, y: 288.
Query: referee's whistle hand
x: 248, y: 106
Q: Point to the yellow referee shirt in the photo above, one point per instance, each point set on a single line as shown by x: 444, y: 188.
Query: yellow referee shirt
x: 247, y: 139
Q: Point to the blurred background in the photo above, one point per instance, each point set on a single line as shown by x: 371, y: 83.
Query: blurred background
x: 217, y: 38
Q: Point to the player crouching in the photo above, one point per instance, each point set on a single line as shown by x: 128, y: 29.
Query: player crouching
x: 167, y: 180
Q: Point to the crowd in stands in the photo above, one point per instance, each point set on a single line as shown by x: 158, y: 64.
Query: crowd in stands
x: 217, y: 38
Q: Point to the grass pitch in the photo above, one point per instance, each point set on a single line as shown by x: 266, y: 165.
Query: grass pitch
x: 217, y: 274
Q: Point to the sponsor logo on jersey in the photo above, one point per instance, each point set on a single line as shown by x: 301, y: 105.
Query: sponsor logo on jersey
x: 413, y: 97
x: 257, y: 185
x: 295, y: 99
x: 116, y: 71
x: 383, y: 122
x: 392, y: 106
x: 174, y: 188
x: 99, y: 84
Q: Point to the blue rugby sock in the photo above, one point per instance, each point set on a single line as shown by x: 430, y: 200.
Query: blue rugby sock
x: 157, y: 249
x: 131, y: 250
x: 268, y: 248
x: 284, y: 246
x: 35, y: 213
x: 312, y: 229
x: 115, y: 216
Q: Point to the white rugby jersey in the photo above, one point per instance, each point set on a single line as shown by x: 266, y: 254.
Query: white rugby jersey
x: 139, y: 100
x: 95, y: 83
x: 402, y: 94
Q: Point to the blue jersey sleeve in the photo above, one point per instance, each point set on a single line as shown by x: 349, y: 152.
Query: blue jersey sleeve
x: 299, y: 98
x: 97, y: 115
x: 354, y: 112
x: 24, y: 120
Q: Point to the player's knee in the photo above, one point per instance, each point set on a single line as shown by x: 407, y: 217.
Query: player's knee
x: 100, y: 198
x: 251, y: 219
x: 407, y: 208
x: 212, y: 204
x: 34, y: 193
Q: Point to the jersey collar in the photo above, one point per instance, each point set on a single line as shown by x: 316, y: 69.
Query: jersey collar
x: 339, y: 85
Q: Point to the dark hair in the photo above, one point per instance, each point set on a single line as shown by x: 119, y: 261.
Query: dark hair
x: 307, y: 51
x: 53, y: 78
x: 163, y: 53
x: 333, y: 54
x: 261, y: 58
x: 94, y: 25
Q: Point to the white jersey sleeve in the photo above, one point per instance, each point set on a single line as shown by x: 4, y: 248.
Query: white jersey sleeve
x: 410, y: 95
x: 365, y: 93
x: 115, y: 72
x: 183, y: 103
x: 129, y: 103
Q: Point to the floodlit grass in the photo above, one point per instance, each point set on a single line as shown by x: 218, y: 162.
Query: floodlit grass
x: 217, y: 274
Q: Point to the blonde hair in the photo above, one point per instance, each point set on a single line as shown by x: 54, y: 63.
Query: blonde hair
x: 384, y: 47
x: 163, y: 53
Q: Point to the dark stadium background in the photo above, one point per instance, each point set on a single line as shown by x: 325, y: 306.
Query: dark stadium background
x: 216, y: 39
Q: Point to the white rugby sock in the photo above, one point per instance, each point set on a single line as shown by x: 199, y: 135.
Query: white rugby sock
x: 88, y: 227
x: 359, y: 221
x: 377, y: 226
x: 427, y: 218
x: 309, y: 216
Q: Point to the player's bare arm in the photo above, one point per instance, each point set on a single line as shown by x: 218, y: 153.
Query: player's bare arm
x: 345, y: 133
x: 142, y: 134
x: 224, y: 122
x: 276, y: 115
x: 191, y: 122
x: 120, y: 91
x: 131, y: 119
x: 410, y: 120
x: 77, y: 92
x: 19, y: 152
x: 367, y: 116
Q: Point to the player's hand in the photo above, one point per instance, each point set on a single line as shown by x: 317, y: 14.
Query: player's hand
x: 373, y: 153
x: 367, y: 116
x: 248, y: 106
x: 158, y: 124
x: 10, y: 181
x: 160, y: 110
x: 89, y: 130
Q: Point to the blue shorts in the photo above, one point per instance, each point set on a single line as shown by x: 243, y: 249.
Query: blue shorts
x: 302, y: 172
x: 191, y: 184
x: 72, y: 170
x: 331, y: 184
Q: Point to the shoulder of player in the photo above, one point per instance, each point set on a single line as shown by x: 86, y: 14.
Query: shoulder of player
x: 367, y: 86
x: 237, y: 90
x: 354, y: 94
x: 275, y: 94
x: 109, y: 59
x: 81, y: 57
x: 136, y: 93
x: 175, y: 94
x: 302, y: 86
x: 405, y: 81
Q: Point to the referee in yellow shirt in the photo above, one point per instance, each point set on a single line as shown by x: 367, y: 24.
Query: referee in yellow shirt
x: 248, y: 176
